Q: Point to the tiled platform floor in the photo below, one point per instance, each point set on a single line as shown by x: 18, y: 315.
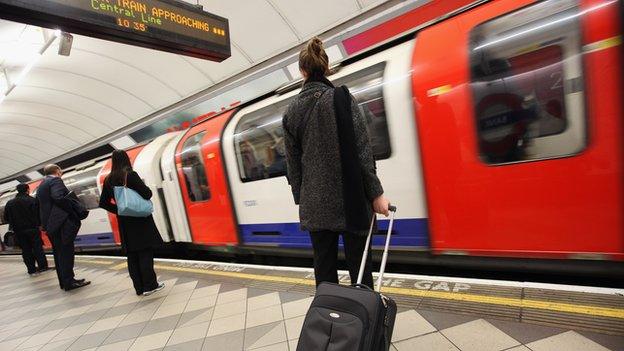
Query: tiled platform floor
x: 195, y: 312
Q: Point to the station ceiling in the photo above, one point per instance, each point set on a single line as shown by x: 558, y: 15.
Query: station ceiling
x: 65, y: 102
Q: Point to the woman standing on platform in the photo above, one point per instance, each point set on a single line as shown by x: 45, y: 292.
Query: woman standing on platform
x: 139, y: 235
x: 331, y: 168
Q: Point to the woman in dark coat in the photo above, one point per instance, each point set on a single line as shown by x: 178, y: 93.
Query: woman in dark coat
x: 139, y: 235
x: 331, y: 168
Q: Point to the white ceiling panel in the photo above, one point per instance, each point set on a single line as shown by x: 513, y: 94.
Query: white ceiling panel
x: 255, y: 26
x: 91, y: 126
x: 25, y: 152
x: 369, y: 3
x: 115, y: 98
x: 173, y: 73
x: 46, y: 122
x: 94, y: 108
x: 221, y: 70
x: 7, y: 151
x: 53, y: 140
x: 124, y: 142
x: 147, y: 88
x: 10, y: 145
x: 307, y: 17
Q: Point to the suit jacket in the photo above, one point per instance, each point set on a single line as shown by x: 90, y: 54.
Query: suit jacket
x: 55, y: 209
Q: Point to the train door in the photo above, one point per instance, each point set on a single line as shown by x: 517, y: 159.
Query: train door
x: 203, y: 184
x: 172, y: 192
x: 132, y: 154
x: 147, y: 165
x: 520, y: 120
x: 254, y: 149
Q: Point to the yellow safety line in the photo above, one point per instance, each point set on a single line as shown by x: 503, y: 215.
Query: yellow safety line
x: 93, y: 261
x: 266, y: 278
x: 492, y: 300
x: 483, y: 299
x: 513, y: 302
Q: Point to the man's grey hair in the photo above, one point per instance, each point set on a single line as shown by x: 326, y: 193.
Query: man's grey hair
x: 51, y: 169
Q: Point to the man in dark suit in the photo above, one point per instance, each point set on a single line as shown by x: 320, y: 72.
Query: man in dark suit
x: 61, y: 222
x: 22, y: 214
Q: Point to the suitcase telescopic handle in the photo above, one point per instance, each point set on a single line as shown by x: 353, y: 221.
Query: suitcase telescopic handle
x: 384, y: 259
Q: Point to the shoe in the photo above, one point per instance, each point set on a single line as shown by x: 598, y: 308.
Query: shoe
x: 42, y: 270
x: 76, y: 284
x: 33, y: 274
x: 158, y: 288
x: 79, y: 280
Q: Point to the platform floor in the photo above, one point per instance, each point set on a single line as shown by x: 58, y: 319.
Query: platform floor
x: 213, y: 306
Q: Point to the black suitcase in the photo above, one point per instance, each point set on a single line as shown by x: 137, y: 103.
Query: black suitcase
x: 351, y: 318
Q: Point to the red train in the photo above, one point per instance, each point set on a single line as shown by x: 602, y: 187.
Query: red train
x: 498, y: 132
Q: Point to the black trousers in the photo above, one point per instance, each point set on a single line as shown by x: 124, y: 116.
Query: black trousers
x: 141, y: 270
x: 325, y: 246
x: 63, y: 259
x: 32, y: 249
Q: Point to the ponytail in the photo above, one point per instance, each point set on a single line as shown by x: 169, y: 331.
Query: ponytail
x: 313, y: 59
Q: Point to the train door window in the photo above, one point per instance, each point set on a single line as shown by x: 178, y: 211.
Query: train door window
x: 84, y: 185
x: 259, y: 143
x: 367, y: 88
x: 194, y: 169
x: 527, y: 83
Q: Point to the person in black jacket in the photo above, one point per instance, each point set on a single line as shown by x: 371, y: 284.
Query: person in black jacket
x: 22, y: 214
x: 331, y: 168
x: 61, y: 222
x: 139, y: 235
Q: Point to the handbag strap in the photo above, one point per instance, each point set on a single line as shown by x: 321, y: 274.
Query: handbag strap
x: 306, y: 117
x: 126, y: 180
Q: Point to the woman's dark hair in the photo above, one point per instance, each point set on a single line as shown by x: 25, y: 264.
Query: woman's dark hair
x: 22, y: 188
x: 121, y: 165
x: 313, y: 59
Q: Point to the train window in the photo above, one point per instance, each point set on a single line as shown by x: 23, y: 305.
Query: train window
x: 527, y: 83
x: 84, y: 185
x: 367, y: 88
x: 194, y: 169
x: 259, y: 138
x: 3, y: 201
x: 259, y: 143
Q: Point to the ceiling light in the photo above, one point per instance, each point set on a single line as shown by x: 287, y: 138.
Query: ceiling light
x: 64, y: 49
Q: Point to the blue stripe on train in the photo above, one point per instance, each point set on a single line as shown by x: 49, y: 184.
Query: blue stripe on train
x: 412, y: 232
x: 94, y: 239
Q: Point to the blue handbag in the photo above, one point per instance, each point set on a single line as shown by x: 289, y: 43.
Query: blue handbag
x: 130, y: 203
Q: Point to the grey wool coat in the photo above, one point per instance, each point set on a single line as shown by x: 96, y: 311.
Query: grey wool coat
x: 313, y: 158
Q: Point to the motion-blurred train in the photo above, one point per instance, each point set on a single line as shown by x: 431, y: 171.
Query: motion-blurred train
x: 498, y: 131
